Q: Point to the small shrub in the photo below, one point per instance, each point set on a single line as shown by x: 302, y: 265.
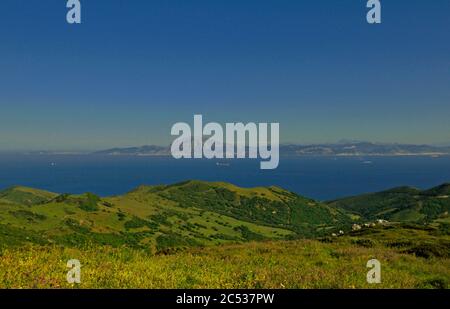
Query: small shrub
x: 428, y: 250
x: 89, y: 202
x: 435, y: 283
x: 363, y: 242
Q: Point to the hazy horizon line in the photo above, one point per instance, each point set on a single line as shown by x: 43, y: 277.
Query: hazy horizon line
x: 342, y: 141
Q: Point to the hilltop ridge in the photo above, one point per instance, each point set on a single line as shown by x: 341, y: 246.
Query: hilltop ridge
x: 190, y: 213
x: 200, y: 213
x: 402, y: 204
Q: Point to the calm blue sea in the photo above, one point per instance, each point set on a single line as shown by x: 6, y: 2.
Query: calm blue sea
x: 321, y: 178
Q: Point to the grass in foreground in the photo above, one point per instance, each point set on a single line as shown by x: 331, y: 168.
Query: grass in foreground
x: 280, y: 264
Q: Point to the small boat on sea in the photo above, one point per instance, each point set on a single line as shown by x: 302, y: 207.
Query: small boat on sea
x: 222, y: 164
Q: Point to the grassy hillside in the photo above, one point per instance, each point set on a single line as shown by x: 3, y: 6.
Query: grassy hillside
x: 158, y: 218
x: 270, y: 206
x: 215, y: 235
x: 25, y: 196
x: 402, y: 204
x: 410, y: 257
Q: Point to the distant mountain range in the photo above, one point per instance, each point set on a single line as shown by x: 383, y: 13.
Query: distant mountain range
x: 339, y: 149
x: 363, y: 148
x: 149, y: 150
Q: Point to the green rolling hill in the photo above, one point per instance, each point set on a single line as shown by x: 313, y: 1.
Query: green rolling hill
x: 216, y: 235
x: 198, y: 213
x: 192, y: 213
x: 403, y: 204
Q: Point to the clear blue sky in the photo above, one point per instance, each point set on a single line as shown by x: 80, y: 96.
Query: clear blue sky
x: 133, y: 68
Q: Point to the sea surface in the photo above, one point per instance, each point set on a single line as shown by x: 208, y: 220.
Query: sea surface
x: 322, y: 178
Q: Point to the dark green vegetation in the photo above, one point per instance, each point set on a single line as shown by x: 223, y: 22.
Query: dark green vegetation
x: 402, y: 204
x: 162, y: 237
x: 157, y: 218
x: 196, y: 213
